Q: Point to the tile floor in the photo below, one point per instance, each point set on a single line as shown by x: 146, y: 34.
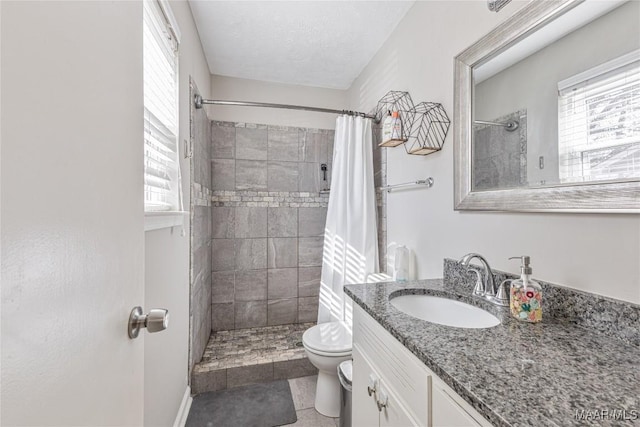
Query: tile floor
x: 303, y: 391
x: 246, y: 356
x: 246, y: 347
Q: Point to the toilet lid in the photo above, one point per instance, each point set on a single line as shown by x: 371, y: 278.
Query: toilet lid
x: 332, y: 337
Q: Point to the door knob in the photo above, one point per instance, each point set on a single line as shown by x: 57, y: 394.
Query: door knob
x: 155, y: 321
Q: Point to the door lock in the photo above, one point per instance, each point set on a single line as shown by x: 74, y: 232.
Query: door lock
x: 155, y: 321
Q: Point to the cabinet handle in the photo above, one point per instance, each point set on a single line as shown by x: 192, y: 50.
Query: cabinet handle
x: 373, y: 384
x: 383, y: 401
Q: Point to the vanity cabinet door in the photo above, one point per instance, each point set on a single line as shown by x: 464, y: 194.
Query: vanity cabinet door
x: 446, y: 412
x: 364, y: 409
x: 394, y: 415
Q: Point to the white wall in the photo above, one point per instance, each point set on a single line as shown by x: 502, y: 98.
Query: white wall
x: 167, y: 256
x: 233, y: 89
x: 596, y: 253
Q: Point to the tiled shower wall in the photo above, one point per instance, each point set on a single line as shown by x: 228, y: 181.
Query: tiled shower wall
x: 268, y: 223
x: 200, y: 308
x: 268, y: 219
x: 500, y: 156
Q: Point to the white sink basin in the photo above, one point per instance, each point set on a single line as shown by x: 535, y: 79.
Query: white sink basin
x: 444, y: 311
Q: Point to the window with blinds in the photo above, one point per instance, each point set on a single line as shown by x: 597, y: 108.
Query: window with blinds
x: 599, y: 122
x: 161, y: 164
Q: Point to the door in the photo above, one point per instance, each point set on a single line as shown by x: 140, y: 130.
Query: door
x: 72, y: 229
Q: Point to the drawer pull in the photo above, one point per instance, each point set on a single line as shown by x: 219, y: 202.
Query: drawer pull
x: 383, y: 401
x: 373, y: 384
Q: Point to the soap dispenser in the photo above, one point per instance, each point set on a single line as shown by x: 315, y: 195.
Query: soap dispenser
x: 526, y: 294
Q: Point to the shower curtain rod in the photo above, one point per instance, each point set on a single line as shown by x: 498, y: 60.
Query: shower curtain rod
x: 199, y: 102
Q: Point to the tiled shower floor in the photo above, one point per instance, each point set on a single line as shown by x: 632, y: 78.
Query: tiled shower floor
x: 246, y: 356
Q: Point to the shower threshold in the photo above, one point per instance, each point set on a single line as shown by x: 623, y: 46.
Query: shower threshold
x: 248, y: 356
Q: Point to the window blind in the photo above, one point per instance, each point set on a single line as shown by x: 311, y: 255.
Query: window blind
x: 161, y: 165
x: 599, y: 123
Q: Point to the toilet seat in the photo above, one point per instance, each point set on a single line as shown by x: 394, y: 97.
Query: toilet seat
x: 331, y: 339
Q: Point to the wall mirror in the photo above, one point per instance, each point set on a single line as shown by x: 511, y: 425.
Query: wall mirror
x: 547, y: 111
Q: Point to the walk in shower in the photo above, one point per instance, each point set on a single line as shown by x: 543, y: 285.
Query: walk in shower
x: 259, y: 202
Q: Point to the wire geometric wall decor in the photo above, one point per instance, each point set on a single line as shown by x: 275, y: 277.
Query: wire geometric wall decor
x: 424, y: 126
x: 429, y: 128
x: 395, y: 101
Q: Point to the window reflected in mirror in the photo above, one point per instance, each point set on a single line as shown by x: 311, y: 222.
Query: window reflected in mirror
x: 562, y: 105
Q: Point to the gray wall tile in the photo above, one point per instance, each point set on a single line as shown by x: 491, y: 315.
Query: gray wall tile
x: 251, y: 144
x: 222, y: 316
x: 223, y: 142
x: 223, y: 254
x: 330, y: 141
x: 283, y: 145
x: 282, y: 176
x: 283, y: 283
x: 251, y: 254
x: 251, y: 175
x: 249, y: 374
x: 308, y: 309
x: 282, y: 222
x: 251, y: 314
x: 310, y: 251
x: 223, y: 222
x: 223, y: 174
x: 314, y: 147
x: 201, y: 161
x: 201, y: 226
x: 310, y: 177
x: 251, y: 285
x: 245, y: 238
x: 282, y: 252
x: 251, y: 222
x: 311, y: 221
x: 223, y: 285
x: 309, y: 281
x: 295, y: 368
x: 200, y: 250
x: 201, y: 269
x: 282, y: 311
x: 202, y: 382
x: 201, y: 319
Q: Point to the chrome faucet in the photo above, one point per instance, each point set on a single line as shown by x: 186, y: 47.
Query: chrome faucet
x: 486, y: 287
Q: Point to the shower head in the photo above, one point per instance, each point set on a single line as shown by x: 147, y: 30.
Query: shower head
x: 512, y: 125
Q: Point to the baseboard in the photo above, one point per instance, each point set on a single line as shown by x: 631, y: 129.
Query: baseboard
x: 183, y: 411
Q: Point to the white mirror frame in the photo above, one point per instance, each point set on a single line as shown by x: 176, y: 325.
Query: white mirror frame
x: 617, y: 197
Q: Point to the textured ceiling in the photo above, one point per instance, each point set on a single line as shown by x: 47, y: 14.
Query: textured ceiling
x: 312, y: 43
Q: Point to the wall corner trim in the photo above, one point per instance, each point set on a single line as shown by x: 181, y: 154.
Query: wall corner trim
x: 183, y: 411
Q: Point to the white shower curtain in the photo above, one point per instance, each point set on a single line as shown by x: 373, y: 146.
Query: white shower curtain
x: 350, y: 250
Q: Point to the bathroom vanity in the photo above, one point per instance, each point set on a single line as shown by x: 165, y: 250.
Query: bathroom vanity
x: 408, y: 371
x: 392, y: 387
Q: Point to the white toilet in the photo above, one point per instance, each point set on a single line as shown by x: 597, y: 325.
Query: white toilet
x: 327, y: 345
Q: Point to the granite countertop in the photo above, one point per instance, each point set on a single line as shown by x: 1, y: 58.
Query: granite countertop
x: 516, y: 373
